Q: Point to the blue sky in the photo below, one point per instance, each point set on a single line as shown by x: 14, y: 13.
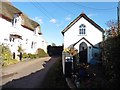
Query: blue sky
x: 53, y: 17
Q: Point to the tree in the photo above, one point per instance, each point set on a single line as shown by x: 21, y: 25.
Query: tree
x: 111, y: 61
x: 53, y: 44
x: 112, y: 28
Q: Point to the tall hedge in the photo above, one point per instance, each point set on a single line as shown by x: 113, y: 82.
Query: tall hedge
x: 54, y: 50
x: 111, y: 61
x: 41, y: 53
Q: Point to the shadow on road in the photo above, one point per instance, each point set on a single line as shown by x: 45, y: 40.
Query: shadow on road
x: 34, y: 79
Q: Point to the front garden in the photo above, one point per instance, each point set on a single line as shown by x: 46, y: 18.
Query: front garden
x: 107, y: 74
x: 39, y: 54
x: 6, y: 57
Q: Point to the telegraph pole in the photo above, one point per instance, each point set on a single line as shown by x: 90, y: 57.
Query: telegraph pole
x: 118, y: 15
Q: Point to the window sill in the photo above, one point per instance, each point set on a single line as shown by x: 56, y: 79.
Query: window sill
x: 82, y: 35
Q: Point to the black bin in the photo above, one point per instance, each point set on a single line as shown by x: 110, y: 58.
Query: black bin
x: 68, y: 68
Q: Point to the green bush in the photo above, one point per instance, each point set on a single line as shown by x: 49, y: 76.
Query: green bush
x: 111, y: 60
x: 32, y: 56
x: 25, y: 55
x: 6, y: 55
x: 41, y: 53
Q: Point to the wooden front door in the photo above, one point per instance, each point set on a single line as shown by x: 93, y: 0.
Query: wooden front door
x: 83, y: 52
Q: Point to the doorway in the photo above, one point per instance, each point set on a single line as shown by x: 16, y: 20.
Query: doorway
x: 83, y: 52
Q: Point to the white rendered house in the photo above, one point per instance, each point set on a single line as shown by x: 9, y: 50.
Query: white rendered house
x: 84, y: 35
x: 16, y: 29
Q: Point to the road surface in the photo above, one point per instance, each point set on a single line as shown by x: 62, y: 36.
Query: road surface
x: 28, y: 74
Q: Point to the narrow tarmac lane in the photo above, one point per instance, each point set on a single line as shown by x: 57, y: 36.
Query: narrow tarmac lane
x: 28, y: 74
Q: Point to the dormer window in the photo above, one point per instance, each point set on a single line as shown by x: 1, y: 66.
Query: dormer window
x: 17, y: 20
x: 36, y: 30
x: 82, y: 29
x: 14, y: 20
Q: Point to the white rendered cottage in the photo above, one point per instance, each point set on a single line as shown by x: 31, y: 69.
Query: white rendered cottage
x: 84, y: 35
x: 16, y: 29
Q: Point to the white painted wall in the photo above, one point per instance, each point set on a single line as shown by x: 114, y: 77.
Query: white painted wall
x: 93, y: 35
x: 6, y: 29
x: 72, y: 35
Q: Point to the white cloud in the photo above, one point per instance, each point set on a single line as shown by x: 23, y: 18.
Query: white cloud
x: 67, y: 18
x: 53, y: 20
x: 59, y: 24
x: 91, y: 15
x: 38, y: 19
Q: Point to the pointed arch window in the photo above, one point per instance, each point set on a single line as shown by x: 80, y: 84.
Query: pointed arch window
x: 82, y: 29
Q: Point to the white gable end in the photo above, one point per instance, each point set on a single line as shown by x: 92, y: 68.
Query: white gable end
x: 85, y: 36
x: 72, y: 35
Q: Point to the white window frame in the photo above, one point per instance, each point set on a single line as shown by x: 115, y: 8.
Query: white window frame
x: 82, y: 29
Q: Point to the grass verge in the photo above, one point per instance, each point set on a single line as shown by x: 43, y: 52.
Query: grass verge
x: 9, y: 62
x: 54, y: 77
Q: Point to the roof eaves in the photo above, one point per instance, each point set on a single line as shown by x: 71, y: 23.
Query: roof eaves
x: 8, y: 10
x: 71, y: 24
x: 87, y: 18
x: 93, y: 23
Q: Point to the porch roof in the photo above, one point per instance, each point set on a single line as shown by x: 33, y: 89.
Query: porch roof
x: 86, y: 41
